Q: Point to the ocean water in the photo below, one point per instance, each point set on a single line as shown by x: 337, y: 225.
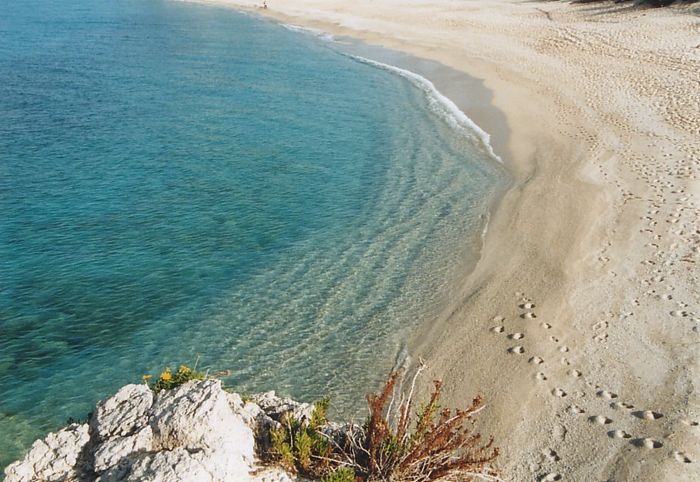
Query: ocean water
x: 181, y: 182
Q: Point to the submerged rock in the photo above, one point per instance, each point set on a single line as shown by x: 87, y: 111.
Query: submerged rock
x: 196, y: 432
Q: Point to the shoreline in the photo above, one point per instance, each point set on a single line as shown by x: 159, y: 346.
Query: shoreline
x: 579, y: 323
x: 470, y: 98
x: 426, y: 109
x: 426, y: 75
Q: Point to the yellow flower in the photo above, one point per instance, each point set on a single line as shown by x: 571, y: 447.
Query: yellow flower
x: 147, y: 377
x: 166, y: 376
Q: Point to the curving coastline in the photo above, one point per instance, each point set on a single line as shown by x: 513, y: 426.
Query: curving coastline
x: 579, y: 321
x: 395, y: 197
x: 584, y: 303
x: 455, y: 116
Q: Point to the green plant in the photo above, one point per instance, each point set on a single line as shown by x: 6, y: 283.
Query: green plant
x: 300, y: 446
x: 341, y: 474
x: 320, y: 413
x: 281, y: 446
x: 168, y: 380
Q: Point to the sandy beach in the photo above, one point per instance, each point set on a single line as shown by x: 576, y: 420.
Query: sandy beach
x: 579, y: 324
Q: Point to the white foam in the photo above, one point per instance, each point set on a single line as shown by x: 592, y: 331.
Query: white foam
x: 439, y: 103
x: 309, y: 31
x: 403, y: 359
x: 487, y: 220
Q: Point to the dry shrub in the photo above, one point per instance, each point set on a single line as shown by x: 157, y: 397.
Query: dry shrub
x: 395, y: 445
x: 435, y: 444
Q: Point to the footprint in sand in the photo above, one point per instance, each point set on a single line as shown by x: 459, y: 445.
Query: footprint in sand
x: 647, y: 415
x: 622, y: 405
x: 551, y: 455
x: 607, y: 394
x: 681, y: 457
x: 563, y: 348
x: 576, y: 410
x: 516, y: 336
x: 601, y: 325
x: 647, y: 443
x: 527, y: 306
x: 600, y: 420
x: 551, y: 477
x: 546, y: 326
x: 558, y: 392
x: 689, y: 423
x: 498, y: 319
x: 541, y: 376
x: 680, y: 313
x: 554, y: 339
x: 516, y: 350
x: 529, y: 315
x: 536, y: 360
x: 619, y: 434
x: 575, y: 373
x: 498, y: 329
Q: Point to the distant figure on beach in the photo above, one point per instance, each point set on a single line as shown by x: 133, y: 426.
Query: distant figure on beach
x: 264, y: 5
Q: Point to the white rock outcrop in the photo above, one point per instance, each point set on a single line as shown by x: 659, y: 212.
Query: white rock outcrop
x: 196, y: 432
x: 277, y: 408
x: 55, y: 458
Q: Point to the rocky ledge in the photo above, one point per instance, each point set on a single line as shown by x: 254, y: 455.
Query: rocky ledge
x: 195, y: 432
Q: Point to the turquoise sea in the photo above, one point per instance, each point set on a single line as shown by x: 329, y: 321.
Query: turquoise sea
x: 181, y: 181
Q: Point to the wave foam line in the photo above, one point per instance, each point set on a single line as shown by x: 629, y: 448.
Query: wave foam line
x: 440, y: 104
x: 309, y: 31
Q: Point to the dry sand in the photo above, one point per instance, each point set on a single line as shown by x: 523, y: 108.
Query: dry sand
x: 580, y: 321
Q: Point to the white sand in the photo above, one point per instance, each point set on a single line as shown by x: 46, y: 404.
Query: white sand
x: 600, y: 231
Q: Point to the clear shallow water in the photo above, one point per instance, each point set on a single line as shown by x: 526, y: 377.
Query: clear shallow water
x: 179, y: 180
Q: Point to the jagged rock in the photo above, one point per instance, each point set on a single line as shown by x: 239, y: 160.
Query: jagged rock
x: 197, y: 418
x: 257, y: 419
x: 122, y: 413
x: 55, y: 458
x: 270, y: 411
x: 278, y: 408
x: 196, y: 432
x: 178, y: 464
x: 202, y: 419
x: 116, y: 450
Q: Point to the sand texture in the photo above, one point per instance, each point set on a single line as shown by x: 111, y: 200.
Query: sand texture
x: 579, y: 323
